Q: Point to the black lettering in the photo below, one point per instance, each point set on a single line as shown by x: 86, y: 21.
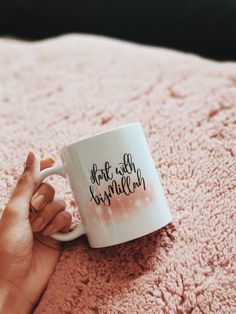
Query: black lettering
x: 126, y: 185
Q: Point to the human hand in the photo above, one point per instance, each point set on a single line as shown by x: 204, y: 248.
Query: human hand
x: 28, y: 259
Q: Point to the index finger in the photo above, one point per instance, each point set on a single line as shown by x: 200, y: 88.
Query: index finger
x: 46, y: 163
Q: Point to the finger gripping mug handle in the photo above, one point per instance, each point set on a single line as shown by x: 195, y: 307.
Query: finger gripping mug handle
x: 79, y: 230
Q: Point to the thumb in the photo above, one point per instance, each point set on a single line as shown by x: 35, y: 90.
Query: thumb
x: 19, y: 202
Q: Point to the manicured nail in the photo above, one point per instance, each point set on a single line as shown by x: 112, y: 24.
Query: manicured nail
x: 50, y: 230
x: 37, y: 223
x: 51, y: 160
x: 38, y: 201
x: 30, y: 159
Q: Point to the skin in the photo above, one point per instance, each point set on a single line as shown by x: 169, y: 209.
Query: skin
x: 28, y: 255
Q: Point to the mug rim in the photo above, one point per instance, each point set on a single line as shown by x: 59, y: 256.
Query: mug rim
x: 105, y: 132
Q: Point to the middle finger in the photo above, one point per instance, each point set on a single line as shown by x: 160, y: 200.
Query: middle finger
x: 43, y: 195
x: 43, y: 217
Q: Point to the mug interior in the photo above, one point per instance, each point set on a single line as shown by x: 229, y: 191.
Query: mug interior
x: 106, y: 132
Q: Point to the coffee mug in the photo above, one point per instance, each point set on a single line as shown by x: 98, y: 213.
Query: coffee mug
x: 115, y: 185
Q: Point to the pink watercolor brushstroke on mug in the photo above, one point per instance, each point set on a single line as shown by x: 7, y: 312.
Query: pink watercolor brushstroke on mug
x: 123, y: 205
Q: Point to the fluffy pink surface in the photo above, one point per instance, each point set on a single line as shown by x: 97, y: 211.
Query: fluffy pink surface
x: 55, y: 91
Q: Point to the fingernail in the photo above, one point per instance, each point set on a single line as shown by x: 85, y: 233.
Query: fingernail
x: 49, y: 230
x: 30, y: 159
x: 37, y: 223
x: 51, y: 160
x: 38, y: 201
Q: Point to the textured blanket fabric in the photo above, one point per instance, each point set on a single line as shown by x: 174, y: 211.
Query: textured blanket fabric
x: 56, y: 91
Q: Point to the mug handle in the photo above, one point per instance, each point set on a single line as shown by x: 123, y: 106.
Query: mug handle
x: 79, y: 230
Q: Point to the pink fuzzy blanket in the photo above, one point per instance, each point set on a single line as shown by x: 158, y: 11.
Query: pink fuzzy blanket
x: 56, y: 91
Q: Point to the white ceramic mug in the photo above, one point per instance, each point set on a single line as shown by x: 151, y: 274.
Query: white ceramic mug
x: 115, y: 185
